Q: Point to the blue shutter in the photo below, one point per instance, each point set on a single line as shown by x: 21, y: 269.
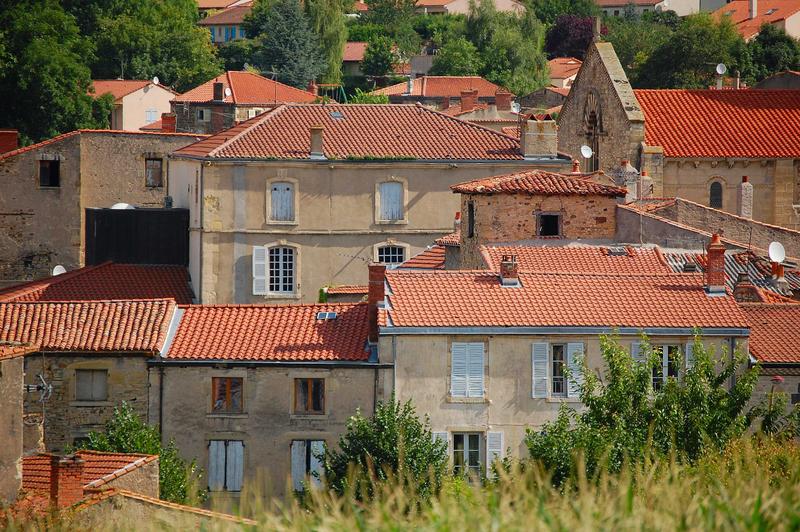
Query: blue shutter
x: 216, y: 465
x: 391, y: 201
x: 298, y: 456
x: 317, y: 454
x: 494, y: 450
x: 259, y: 270
x: 234, y: 467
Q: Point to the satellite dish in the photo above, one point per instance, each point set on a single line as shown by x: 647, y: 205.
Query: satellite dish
x: 122, y: 206
x: 721, y: 69
x: 227, y: 92
x: 586, y: 151
x: 155, y: 80
x: 59, y: 269
x: 776, y: 252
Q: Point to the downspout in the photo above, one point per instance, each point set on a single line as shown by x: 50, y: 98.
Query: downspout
x: 731, y: 349
x: 375, y: 392
x: 200, y: 206
x: 394, y: 367
x: 161, y: 403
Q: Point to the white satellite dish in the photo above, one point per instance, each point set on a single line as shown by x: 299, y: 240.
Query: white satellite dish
x: 155, y: 80
x: 227, y: 92
x: 777, y: 253
x: 586, y: 151
x: 721, y: 69
x: 59, y: 269
x: 122, y: 206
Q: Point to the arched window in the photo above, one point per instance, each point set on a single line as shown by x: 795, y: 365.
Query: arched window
x: 715, y: 195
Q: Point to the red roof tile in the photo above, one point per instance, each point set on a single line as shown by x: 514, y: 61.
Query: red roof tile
x: 247, y: 88
x: 511, y: 131
x: 441, y: 298
x: 722, y: 123
x: 138, y: 326
x: 8, y: 351
x: 774, y: 332
x: 271, y: 332
x: 429, y: 259
x: 769, y: 12
x: 457, y: 110
x: 539, y: 182
x: 564, y: 67
x: 118, y: 88
x: 214, y: 4
x: 107, y: 281
x: 372, y: 131
x: 348, y: 289
x: 158, y: 125
x: 354, y: 51
x: 579, y: 259
x: 230, y: 15
x: 99, y: 468
x: 452, y: 239
x: 441, y: 86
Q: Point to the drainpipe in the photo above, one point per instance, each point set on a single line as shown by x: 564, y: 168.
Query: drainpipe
x: 394, y: 366
x: 200, y: 206
x: 161, y: 403
x: 375, y: 392
x: 732, y: 354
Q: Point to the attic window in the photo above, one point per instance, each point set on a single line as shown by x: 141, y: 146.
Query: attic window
x: 337, y: 115
x: 617, y: 251
x: 325, y: 316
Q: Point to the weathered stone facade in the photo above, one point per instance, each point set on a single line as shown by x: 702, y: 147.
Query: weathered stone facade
x: 215, y: 116
x: 11, y: 380
x: 144, y: 480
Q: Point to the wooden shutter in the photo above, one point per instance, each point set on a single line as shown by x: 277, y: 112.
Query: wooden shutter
x: 298, y: 464
x: 234, y: 467
x: 99, y: 385
x: 317, y: 454
x: 391, y: 200
x: 575, y: 364
x: 494, y: 449
x: 83, y: 385
x: 637, y: 353
x: 539, y: 356
x: 259, y: 270
x: 475, y: 369
x: 282, y: 202
x: 216, y: 465
x: 458, y: 370
x: 689, y: 355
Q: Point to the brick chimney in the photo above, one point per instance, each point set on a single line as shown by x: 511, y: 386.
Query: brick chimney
x: 410, y: 85
x: 744, y: 198
x: 576, y: 166
x: 219, y: 91
x: 539, y: 138
x: 168, y: 123
x: 502, y: 100
x: 509, y: 272
x: 715, y: 269
x: 645, y: 186
x: 9, y: 140
x: 753, y: 9
x: 744, y: 291
x: 457, y: 222
x: 468, y: 100
x: 778, y: 279
x: 317, y: 143
x: 375, y: 296
x: 66, y: 480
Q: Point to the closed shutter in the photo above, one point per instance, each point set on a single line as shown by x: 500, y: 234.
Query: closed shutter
x: 458, y: 370
x: 282, y: 202
x: 298, y: 464
x: 539, y: 369
x: 689, y: 355
x: 259, y: 270
x: 494, y: 449
x: 575, y: 364
x: 317, y: 456
x: 99, y: 385
x: 83, y: 385
x: 637, y: 353
x: 475, y: 370
x: 234, y: 466
x: 391, y: 201
x: 216, y: 465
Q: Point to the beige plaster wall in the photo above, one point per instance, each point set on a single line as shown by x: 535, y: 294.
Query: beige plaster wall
x: 461, y: 7
x: 135, y: 105
x: 11, y: 380
x: 142, y: 480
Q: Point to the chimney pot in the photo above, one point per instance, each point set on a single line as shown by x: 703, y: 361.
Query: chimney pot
x: 410, y: 85
x: 317, y: 151
x: 509, y: 271
x: 744, y: 291
x: 9, y: 140
x: 219, y: 91
x: 539, y: 138
x: 375, y: 297
x: 753, y: 9
x: 445, y: 103
x: 715, y: 270
x: 744, y: 198
x: 457, y: 222
x: 66, y: 480
x: 576, y: 166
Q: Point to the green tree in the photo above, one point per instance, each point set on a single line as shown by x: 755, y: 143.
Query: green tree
x: 358, y: 31
x: 394, y: 442
x: 44, y: 80
x: 441, y: 29
x: 625, y: 418
x: 635, y: 40
x: 327, y: 19
x: 125, y: 432
x: 378, y: 58
x: 288, y: 46
x: 458, y: 57
x: 237, y: 53
x: 772, y: 51
x: 389, y: 14
x: 363, y: 97
x: 548, y: 10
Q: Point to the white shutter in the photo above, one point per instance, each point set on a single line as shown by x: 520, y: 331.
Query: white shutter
x: 574, y: 362
x: 317, y: 453
x: 475, y: 369
x: 539, y: 358
x: 458, y: 370
x: 259, y: 270
x: 664, y: 363
x: 391, y: 200
x: 637, y: 353
x: 298, y: 464
x: 216, y: 465
x: 234, y: 466
x: 494, y: 449
x: 689, y: 355
x: 282, y: 202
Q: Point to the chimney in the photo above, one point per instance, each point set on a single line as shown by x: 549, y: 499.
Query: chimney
x: 313, y: 88
x: 375, y: 296
x: 744, y: 291
x: 502, y: 100
x: 66, y: 480
x: 645, y: 185
x: 509, y: 272
x: 576, y: 166
x: 410, y: 85
x: 219, y: 91
x: 168, y: 123
x: 753, y: 9
x: 539, y: 138
x: 457, y: 222
x: 317, y: 143
x: 744, y: 198
x: 715, y: 269
x: 9, y: 140
x: 778, y: 279
x: 468, y: 99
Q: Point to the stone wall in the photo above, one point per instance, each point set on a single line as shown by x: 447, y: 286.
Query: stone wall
x: 65, y: 418
x: 223, y: 116
x: 11, y: 380
x: 143, y: 480
x: 634, y: 227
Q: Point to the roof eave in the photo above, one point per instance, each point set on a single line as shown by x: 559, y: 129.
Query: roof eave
x: 567, y: 330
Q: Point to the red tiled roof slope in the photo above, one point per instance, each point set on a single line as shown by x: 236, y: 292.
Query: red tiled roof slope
x: 354, y: 51
x: 247, y: 88
x: 441, y: 86
x: 348, y: 289
x: 722, y: 123
x: 774, y: 332
x: 538, y: 182
x: 429, y: 259
x: 583, y: 259
x: 375, y: 131
x: 564, y: 67
x: 271, y: 332
x: 476, y: 299
x: 452, y: 239
x: 98, y: 465
x: 13, y: 351
x: 230, y: 15
x: 768, y: 12
x: 118, y: 88
x: 107, y: 281
x: 138, y: 326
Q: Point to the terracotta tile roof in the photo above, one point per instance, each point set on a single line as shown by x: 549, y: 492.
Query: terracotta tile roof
x: 722, y: 123
x: 429, y: 259
x: 623, y: 3
x: 361, y: 6
x: 441, y: 86
x: 539, y: 182
x: 457, y: 110
x: 348, y: 289
x: 442, y: 298
x: 107, y: 281
x: 774, y: 332
x: 579, y: 259
x: 8, y: 351
x: 354, y: 51
x: 214, y: 4
x: 118, y: 88
x: 564, y: 67
x: 154, y: 126
x: 230, y: 15
x: 271, y: 332
x: 769, y: 12
x: 99, y: 468
x: 133, y: 326
x: 563, y: 91
x: 511, y: 131
x: 246, y: 88
x: 375, y: 131
x: 452, y: 239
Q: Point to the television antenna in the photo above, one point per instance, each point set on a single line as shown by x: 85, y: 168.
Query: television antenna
x: 44, y: 388
x: 777, y: 253
x: 586, y: 152
x: 58, y: 270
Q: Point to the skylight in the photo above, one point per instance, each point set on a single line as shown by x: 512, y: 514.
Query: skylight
x: 337, y: 115
x: 325, y: 316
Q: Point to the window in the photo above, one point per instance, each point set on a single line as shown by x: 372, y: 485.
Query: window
x: 391, y: 254
x: 306, y: 463
x: 49, y: 173
x: 281, y: 270
x: 616, y: 12
x: 282, y: 202
x: 153, y: 173
x: 225, y: 465
x: 466, y: 369
x: 670, y: 358
x: 391, y: 209
x: 559, y: 384
x: 91, y: 384
x: 151, y: 115
x: 715, y: 195
x: 226, y: 394
x: 470, y: 219
x: 467, y: 453
x: 241, y: 33
x: 309, y: 396
x: 548, y: 225
x: 203, y: 115
x: 549, y: 367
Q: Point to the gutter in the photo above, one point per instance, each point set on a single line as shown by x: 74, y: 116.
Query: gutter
x: 524, y: 161
x: 269, y: 363
x: 501, y: 331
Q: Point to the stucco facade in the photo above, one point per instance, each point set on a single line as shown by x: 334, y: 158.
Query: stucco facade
x: 11, y: 380
x: 141, y: 107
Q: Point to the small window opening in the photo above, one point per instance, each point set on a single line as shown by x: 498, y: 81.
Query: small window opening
x: 49, y: 173
x: 549, y: 225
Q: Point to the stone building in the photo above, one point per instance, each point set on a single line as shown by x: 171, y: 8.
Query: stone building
x: 496, y: 116
x: 46, y: 187
x: 434, y: 91
x: 11, y: 412
x: 302, y: 197
x: 136, y: 102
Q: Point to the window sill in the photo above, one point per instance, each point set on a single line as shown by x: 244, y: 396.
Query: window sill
x: 287, y: 295
x: 90, y: 403
x: 468, y: 400
x: 49, y: 188
x: 562, y: 400
x: 391, y: 222
x: 309, y: 416
x: 283, y: 222
x: 231, y: 415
